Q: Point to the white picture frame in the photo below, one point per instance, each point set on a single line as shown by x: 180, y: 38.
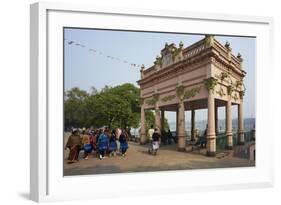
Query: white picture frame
x: 46, y: 177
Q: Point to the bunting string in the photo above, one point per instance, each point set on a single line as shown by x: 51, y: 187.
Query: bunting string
x: 97, y: 52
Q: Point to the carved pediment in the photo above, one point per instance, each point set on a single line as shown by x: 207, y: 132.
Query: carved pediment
x: 169, y: 55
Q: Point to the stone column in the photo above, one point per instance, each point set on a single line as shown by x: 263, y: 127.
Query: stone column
x: 216, y: 119
x: 193, y: 131
x: 177, y: 122
x: 241, y: 138
x: 157, y: 117
x: 211, y: 132
x: 228, y: 121
x: 162, y: 120
x: 181, y: 127
x: 143, y: 138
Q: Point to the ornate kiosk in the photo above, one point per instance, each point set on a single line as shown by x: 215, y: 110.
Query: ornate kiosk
x: 203, y: 75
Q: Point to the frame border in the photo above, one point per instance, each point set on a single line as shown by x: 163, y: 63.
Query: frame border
x: 39, y: 187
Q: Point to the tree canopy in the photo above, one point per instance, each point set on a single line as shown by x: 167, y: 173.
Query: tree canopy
x: 117, y: 106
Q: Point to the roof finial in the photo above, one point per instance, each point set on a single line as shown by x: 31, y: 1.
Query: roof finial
x: 181, y: 44
x: 227, y: 44
x: 239, y: 56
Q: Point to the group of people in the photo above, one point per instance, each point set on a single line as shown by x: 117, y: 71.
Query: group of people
x: 101, y: 142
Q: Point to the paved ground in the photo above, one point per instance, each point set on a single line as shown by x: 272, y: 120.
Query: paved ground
x: 138, y: 160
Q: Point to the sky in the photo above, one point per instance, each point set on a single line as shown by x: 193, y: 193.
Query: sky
x: 85, y: 69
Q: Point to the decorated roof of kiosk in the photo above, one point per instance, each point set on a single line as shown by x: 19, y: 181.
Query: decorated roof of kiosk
x: 180, y: 73
x: 173, y: 57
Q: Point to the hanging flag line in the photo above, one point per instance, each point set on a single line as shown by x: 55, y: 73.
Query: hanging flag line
x: 74, y: 43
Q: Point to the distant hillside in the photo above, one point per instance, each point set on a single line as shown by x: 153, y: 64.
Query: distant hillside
x: 249, y: 123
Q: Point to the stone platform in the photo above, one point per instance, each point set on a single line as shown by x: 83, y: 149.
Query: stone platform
x: 138, y: 160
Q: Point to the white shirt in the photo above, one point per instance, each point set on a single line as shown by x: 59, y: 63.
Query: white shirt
x: 118, y: 133
x: 150, y: 133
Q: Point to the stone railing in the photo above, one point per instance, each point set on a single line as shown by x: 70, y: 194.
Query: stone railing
x: 194, y: 51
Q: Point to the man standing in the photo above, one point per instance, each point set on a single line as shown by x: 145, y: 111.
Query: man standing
x: 155, y: 141
x: 150, y: 133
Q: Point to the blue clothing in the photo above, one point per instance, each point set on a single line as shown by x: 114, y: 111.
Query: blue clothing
x: 112, y: 145
x: 123, y: 143
x: 88, y: 148
x: 103, y: 142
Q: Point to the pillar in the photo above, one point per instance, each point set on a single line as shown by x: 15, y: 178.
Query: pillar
x: 241, y: 138
x: 162, y: 120
x: 193, y: 131
x: 181, y: 127
x: 157, y: 117
x: 211, y: 132
x: 216, y: 119
x: 143, y: 131
x: 177, y: 122
x: 228, y: 117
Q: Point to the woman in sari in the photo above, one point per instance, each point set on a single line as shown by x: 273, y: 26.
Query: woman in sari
x: 74, y: 144
x: 112, y: 144
x: 86, y: 144
x: 123, y: 143
x: 102, y: 144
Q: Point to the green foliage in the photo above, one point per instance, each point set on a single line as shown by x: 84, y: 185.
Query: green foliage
x: 239, y: 83
x: 175, y: 53
x: 112, y: 107
x: 180, y: 90
x: 223, y: 76
x: 166, y: 125
x: 211, y: 83
x: 241, y: 94
x: 158, y: 60
x: 230, y: 89
x: 221, y: 92
x: 235, y: 97
x: 73, y: 107
x: 153, y: 100
x: 191, y: 93
x: 150, y: 120
x: 150, y: 101
x: 186, y: 94
x: 168, y: 98
x: 209, y: 40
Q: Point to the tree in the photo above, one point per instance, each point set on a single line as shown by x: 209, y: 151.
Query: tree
x: 150, y: 120
x: 130, y: 94
x: 112, y: 107
x: 94, y: 91
x: 73, y: 107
